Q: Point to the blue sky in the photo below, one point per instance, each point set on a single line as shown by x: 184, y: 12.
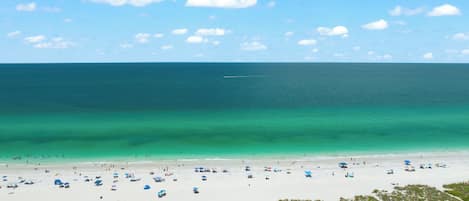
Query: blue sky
x: 234, y: 30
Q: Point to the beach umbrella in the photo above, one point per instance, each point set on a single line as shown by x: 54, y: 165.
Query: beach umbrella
x: 98, y: 182
x: 196, y: 190
x: 161, y: 193
x: 57, y: 182
x: 204, y: 178
x: 308, y: 173
x: 343, y: 165
x: 146, y: 187
x: 407, y: 162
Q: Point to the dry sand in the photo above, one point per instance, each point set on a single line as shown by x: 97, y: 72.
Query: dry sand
x: 328, y: 181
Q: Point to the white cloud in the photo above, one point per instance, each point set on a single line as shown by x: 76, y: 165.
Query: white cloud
x: 253, y: 46
x: 461, y: 36
x: 55, y: 43
x: 196, y: 39
x: 315, y: 50
x: 335, y: 31
x: 216, y: 43
x: 376, y: 25
x: 142, y: 37
x: 126, y: 45
x: 307, y: 42
x: 158, y: 35
x: 387, y: 57
x: 179, y: 31
x: 221, y: 3
x: 35, y: 39
x: 465, y: 52
x: 271, y: 4
x: 428, y: 56
x: 444, y: 10
x: 27, y: 7
x: 166, y: 47
x: 14, y: 34
x: 67, y: 20
x: 52, y: 9
x: 398, y: 11
x: 137, y: 3
x: 211, y: 32
x: 289, y: 33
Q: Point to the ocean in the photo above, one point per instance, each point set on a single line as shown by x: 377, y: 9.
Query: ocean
x: 200, y: 110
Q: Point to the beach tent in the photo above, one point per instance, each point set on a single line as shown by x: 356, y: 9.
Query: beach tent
x: 343, y: 165
x: 407, y: 162
x: 146, y: 187
x: 57, y: 182
x: 308, y: 173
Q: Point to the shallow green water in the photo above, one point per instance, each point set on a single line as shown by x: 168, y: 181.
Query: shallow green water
x: 77, y: 111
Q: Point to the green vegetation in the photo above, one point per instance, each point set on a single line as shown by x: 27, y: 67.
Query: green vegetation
x: 460, y: 190
x: 454, y: 192
x: 410, y: 192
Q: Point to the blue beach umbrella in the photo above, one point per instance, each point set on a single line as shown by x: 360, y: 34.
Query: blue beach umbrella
x: 57, y: 182
x: 308, y: 173
x: 146, y: 187
x: 98, y: 182
x: 407, y: 162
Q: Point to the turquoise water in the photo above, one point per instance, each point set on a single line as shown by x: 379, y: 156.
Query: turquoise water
x: 181, y: 110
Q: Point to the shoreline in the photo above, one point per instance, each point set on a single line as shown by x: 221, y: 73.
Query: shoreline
x: 233, y: 157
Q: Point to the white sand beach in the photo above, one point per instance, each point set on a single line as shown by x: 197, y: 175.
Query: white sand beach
x: 272, y: 179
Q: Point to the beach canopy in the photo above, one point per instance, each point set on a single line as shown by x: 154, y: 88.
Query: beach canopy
x: 146, y: 187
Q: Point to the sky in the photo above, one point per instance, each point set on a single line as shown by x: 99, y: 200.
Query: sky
x: 41, y: 31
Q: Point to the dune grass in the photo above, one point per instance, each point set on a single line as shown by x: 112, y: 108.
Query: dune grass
x: 409, y: 192
x: 460, y: 190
